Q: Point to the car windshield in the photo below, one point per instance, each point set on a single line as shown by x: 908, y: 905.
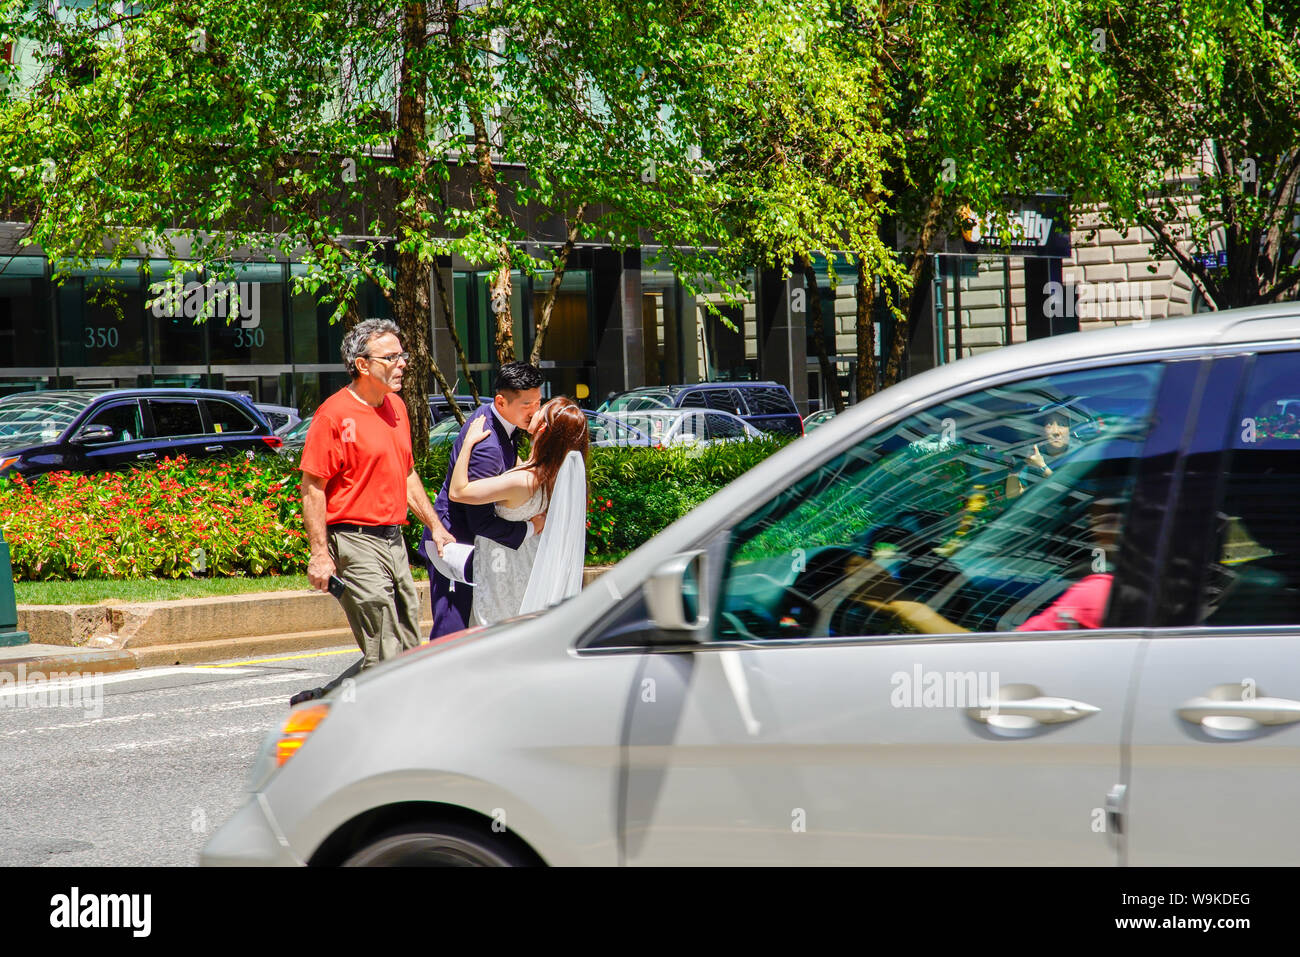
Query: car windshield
x: 654, y: 424
x: 611, y: 431
x: 32, y: 417
x: 448, y: 428
x: 639, y: 401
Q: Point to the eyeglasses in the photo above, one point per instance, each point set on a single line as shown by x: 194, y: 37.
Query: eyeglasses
x: 394, y: 357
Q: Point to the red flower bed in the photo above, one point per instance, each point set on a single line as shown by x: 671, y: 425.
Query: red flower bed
x: 175, y: 519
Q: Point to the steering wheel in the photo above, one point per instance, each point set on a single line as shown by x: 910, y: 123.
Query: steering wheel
x: 797, y: 608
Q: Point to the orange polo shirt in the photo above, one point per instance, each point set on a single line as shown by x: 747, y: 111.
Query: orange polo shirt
x: 363, y: 453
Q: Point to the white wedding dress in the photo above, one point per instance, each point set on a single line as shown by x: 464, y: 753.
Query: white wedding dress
x: 545, y: 569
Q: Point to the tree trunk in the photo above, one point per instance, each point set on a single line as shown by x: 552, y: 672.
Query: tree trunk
x: 557, y: 276
x: 499, y: 299
x: 827, y: 367
x: 865, y: 327
x: 486, y: 194
x: 929, y: 227
x: 411, y: 298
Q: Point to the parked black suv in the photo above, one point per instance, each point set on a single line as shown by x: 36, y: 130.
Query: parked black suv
x: 93, y: 431
x: 764, y: 405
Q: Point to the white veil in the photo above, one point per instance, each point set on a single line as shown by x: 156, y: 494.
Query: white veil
x: 557, y: 569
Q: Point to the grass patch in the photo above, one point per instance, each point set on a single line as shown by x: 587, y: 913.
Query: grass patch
x: 93, y: 591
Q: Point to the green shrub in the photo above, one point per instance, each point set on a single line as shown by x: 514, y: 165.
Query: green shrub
x: 231, y: 517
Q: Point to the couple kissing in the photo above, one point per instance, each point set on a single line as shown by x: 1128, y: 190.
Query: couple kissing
x: 513, y: 534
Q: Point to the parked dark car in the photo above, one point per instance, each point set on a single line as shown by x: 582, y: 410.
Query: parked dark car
x: 81, y: 431
x: 767, y: 406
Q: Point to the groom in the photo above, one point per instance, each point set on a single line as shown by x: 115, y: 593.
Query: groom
x: 518, y: 395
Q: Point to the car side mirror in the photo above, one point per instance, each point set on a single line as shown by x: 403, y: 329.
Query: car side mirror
x: 675, y: 594
x: 94, y: 433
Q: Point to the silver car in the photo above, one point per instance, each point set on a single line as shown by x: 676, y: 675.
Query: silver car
x: 1041, y: 606
x: 669, y: 427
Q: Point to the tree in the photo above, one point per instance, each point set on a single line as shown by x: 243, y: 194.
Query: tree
x: 211, y: 137
x: 793, y: 127
x: 1199, y: 124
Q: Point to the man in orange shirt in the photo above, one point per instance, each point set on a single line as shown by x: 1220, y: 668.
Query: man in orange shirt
x: 358, y: 482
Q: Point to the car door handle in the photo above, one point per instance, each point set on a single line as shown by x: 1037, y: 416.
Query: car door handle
x: 213, y: 448
x: 1226, y: 708
x: 1020, y: 708
x: 147, y: 455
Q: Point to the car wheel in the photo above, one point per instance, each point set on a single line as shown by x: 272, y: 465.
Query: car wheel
x: 434, y: 844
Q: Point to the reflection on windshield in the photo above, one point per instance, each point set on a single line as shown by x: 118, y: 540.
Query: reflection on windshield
x: 980, y: 514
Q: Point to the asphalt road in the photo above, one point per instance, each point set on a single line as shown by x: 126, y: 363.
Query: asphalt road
x: 140, y: 767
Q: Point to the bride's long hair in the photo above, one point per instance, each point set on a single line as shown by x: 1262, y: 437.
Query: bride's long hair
x: 565, y: 432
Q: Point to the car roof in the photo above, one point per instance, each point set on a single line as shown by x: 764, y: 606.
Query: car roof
x: 682, y: 387
x: 673, y: 413
x: 88, y: 394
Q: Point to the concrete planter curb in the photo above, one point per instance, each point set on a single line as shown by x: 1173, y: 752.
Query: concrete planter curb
x: 111, y: 636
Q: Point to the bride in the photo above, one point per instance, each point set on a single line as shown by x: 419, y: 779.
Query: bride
x: 546, y: 568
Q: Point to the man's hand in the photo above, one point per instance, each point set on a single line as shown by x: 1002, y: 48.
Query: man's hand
x: 319, y: 569
x: 441, y: 537
x: 1037, y: 460
x: 539, y: 522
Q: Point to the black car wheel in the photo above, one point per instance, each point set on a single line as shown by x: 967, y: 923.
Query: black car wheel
x: 434, y: 844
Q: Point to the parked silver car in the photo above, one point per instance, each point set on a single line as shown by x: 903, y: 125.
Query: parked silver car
x: 1041, y: 606
x: 669, y: 427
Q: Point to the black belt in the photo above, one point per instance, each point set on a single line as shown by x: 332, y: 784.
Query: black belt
x: 391, y: 532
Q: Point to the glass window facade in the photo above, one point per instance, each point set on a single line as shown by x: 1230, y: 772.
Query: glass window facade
x: 26, y: 313
x: 101, y: 318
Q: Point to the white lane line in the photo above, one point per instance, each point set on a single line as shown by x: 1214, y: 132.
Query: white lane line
x: 277, y: 701
x: 304, y: 678
x: 8, y: 689
x: 184, y: 740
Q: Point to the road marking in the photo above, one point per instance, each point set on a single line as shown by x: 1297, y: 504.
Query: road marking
x: 277, y: 701
x: 47, y: 686
x: 186, y: 740
x: 267, y: 661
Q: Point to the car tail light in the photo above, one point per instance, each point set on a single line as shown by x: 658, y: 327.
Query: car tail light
x: 297, y: 729
x: 273, y: 441
x: 11, y: 460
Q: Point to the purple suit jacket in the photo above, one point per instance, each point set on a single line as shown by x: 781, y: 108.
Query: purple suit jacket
x: 492, y: 456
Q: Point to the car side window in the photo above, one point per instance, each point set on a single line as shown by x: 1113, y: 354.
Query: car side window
x: 174, y: 418
x: 769, y: 401
x: 123, y: 418
x: 725, y: 400
x: 694, y: 399
x: 724, y: 427
x: 1253, y: 577
x: 1000, y: 510
x: 690, y: 429
x: 224, y: 417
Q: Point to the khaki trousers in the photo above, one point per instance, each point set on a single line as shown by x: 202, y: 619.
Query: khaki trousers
x: 381, y: 603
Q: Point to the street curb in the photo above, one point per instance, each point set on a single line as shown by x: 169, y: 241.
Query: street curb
x: 82, y: 663
x: 148, y: 621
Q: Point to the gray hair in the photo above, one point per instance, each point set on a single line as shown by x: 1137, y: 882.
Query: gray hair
x: 357, y: 341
